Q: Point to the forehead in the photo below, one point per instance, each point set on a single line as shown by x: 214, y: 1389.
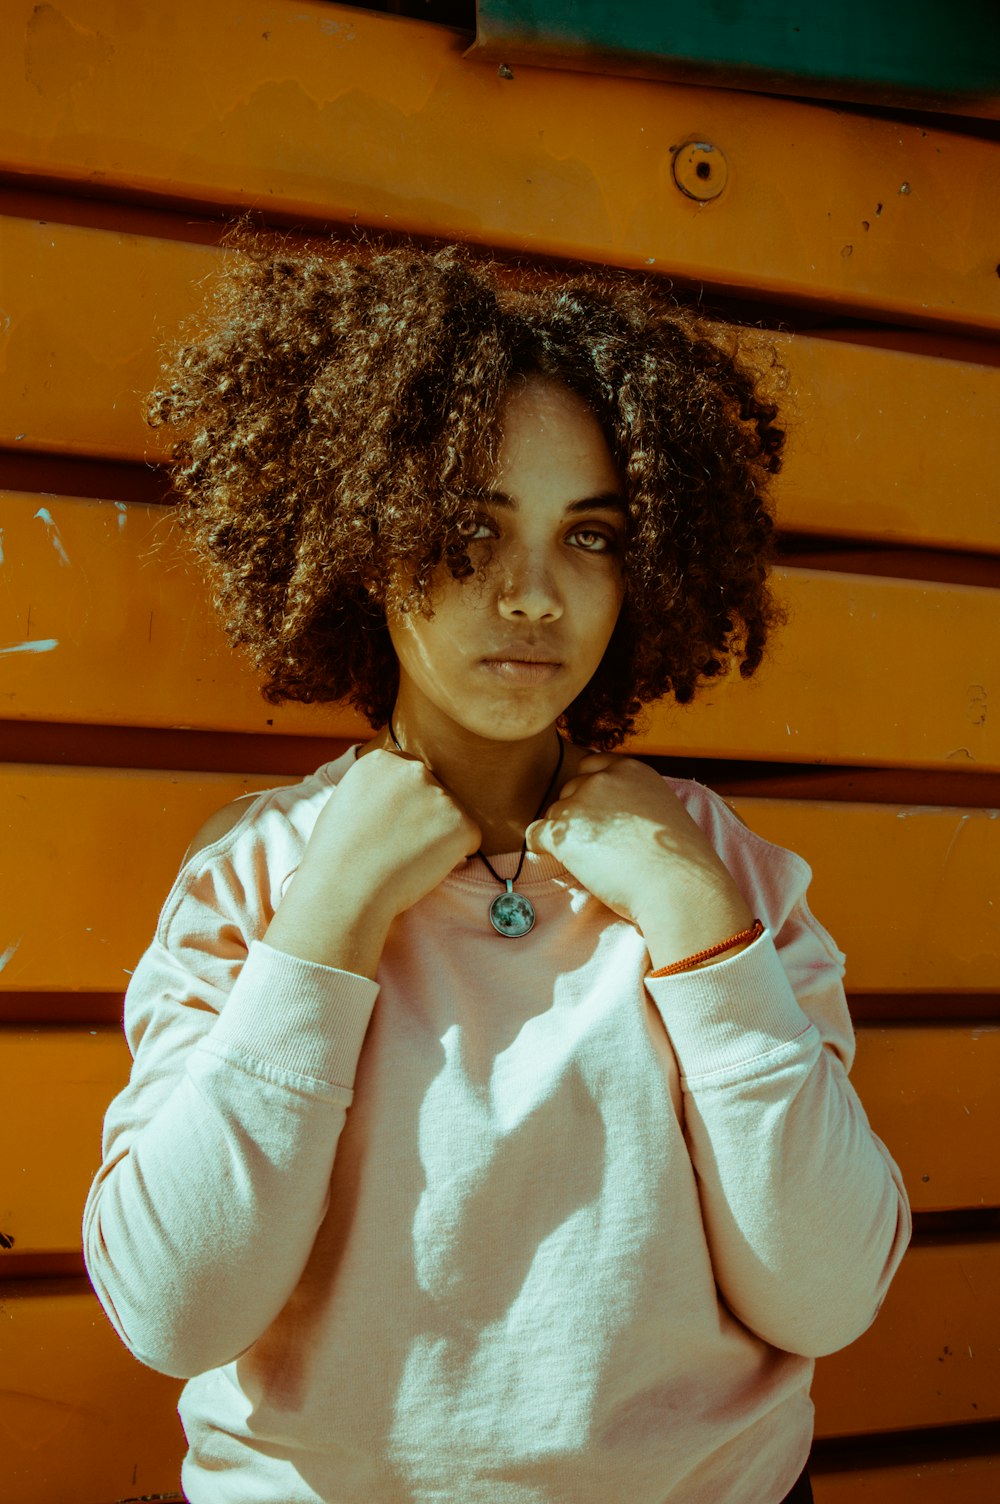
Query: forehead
x: 550, y: 435
x: 544, y: 400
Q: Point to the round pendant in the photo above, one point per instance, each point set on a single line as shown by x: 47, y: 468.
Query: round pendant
x: 511, y: 914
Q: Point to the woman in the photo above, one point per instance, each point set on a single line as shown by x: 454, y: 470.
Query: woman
x: 489, y: 1137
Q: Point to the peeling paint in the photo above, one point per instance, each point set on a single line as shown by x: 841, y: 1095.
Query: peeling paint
x: 343, y: 31
x: 59, y: 55
x: 1, y: 545
x: 40, y: 645
x: 977, y: 704
x: 45, y: 516
x: 9, y: 953
x: 122, y: 511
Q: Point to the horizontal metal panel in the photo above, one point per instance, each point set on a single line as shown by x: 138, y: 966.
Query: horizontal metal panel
x: 868, y: 670
x: 910, y: 895
x: 91, y: 856
x: 59, y: 1083
x: 86, y: 312
x: 103, y: 621
x: 89, y: 310
x: 889, y: 1477
x: 865, y: 455
x: 928, y: 1094
x: 82, y: 1421
x: 310, y: 110
x: 930, y: 1358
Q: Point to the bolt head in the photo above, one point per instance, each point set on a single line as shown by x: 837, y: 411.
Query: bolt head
x: 700, y: 170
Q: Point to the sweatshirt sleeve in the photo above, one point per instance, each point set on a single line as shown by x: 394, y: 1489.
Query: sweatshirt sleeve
x: 217, y: 1155
x: 805, y: 1210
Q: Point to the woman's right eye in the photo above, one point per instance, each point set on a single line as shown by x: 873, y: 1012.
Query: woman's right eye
x: 475, y: 529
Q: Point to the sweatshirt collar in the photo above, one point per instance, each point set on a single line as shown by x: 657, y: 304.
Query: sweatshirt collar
x: 538, y: 867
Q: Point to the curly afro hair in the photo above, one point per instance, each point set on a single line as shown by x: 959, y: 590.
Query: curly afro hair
x: 339, y: 409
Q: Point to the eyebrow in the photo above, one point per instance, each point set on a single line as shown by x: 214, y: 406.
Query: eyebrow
x: 608, y: 501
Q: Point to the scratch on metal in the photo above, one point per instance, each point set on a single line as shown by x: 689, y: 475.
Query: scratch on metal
x: 45, y: 516
x: 958, y: 831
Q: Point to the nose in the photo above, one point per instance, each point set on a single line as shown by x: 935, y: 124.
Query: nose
x: 527, y: 591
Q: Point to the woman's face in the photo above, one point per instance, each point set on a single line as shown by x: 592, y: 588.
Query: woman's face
x: 504, y: 655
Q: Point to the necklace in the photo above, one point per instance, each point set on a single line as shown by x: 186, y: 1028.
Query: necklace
x: 511, y: 914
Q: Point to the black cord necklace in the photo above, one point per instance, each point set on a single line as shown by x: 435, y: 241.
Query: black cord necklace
x: 511, y: 914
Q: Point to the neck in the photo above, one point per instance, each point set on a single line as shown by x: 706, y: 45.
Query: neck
x: 498, y: 784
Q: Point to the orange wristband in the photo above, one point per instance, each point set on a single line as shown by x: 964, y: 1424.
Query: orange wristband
x: 744, y: 936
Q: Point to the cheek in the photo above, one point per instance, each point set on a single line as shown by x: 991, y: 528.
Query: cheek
x: 613, y: 603
x: 408, y: 644
x: 608, y: 608
x: 425, y: 649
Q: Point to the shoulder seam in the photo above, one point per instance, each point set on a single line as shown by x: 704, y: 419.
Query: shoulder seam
x: 197, y: 864
x: 742, y: 829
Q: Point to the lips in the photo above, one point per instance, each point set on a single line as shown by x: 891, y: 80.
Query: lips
x: 522, y: 670
x: 521, y: 653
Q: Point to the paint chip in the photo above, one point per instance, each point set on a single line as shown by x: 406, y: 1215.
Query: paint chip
x: 8, y: 954
x: 40, y: 645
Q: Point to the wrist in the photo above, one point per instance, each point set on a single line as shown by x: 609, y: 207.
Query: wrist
x: 722, y: 950
x: 343, y: 930
x: 674, y: 934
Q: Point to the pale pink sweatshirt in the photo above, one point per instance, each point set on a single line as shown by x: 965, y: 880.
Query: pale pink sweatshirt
x: 515, y: 1224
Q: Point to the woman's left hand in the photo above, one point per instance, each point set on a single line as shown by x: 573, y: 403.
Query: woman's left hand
x: 619, y: 828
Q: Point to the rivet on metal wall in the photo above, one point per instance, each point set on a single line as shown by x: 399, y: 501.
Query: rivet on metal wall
x: 700, y: 170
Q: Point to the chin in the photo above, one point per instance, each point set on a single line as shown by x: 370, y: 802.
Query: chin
x: 507, y: 723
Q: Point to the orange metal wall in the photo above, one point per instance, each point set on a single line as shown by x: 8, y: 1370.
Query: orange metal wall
x: 867, y: 247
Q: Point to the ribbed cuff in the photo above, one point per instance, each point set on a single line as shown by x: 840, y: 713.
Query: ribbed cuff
x: 297, y: 1015
x: 731, y: 1013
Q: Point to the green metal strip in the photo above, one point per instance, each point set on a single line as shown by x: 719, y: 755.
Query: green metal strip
x: 924, y: 47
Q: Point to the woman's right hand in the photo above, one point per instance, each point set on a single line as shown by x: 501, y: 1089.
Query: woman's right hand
x: 388, y: 836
